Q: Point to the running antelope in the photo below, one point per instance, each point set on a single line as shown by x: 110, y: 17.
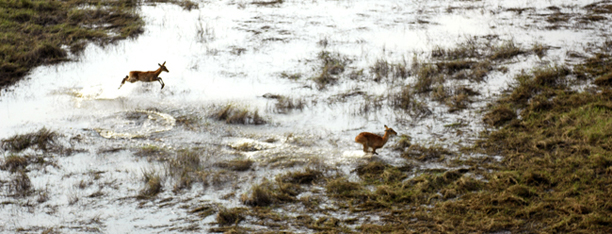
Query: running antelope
x: 148, y: 76
x: 374, y: 141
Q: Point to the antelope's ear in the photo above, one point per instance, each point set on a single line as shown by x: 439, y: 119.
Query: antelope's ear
x: 159, y: 64
x: 386, y: 127
x: 164, y: 64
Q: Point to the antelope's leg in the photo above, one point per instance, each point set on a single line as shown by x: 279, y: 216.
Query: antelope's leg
x: 374, y: 150
x: 365, y: 148
x: 123, y: 81
x: 161, y: 82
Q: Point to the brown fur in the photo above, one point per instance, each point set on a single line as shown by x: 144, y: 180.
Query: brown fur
x: 374, y: 141
x: 147, y: 76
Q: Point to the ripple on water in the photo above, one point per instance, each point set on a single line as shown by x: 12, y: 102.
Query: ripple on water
x: 135, y: 124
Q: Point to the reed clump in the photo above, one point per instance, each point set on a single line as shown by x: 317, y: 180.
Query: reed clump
x: 332, y: 65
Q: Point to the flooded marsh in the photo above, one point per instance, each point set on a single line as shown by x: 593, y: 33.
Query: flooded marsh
x: 499, y: 107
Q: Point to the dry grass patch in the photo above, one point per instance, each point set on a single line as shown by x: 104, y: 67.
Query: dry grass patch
x: 342, y: 188
x: 307, y: 176
x: 423, y: 153
x: 231, y: 216
x: 14, y: 163
x: 43, y: 139
x: 378, y: 172
x: 261, y: 195
x: 236, y: 165
x: 499, y: 116
x: 153, y: 184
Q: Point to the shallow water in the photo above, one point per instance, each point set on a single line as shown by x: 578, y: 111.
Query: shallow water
x: 234, y: 52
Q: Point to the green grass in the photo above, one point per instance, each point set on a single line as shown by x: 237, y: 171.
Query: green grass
x: 555, y: 173
x: 34, y: 32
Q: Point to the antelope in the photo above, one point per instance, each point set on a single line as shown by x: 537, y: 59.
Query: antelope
x: 148, y: 76
x: 374, y: 141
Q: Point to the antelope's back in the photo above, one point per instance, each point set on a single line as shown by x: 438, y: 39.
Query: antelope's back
x: 367, y: 136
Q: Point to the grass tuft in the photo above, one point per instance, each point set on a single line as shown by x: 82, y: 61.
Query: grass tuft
x: 332, y: 65
x: 499, y: 116
x: 20, y: 185
x: 233, y: 115
x: 261, y: 195
x: 423, y: 153
x: 404, y: 142
x: 378, y: 172
x: 153, y: 185
x: 307, y: 176
x: 231, y: 216
x: 14, y: 163
x: 342, y: 188
x: 506, y: 50
x: 236, y: 165
x: 44, y: 139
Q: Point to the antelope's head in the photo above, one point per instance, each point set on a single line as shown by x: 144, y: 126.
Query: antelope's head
x: 163, y: 67
x: 389, y: 131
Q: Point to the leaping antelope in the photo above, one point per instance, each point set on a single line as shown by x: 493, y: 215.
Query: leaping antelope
x: 368, y: 139
x: 147, y: 76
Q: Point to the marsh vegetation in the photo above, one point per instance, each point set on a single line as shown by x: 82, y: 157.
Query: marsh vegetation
x: 37, y: 32
x: 502, y: 125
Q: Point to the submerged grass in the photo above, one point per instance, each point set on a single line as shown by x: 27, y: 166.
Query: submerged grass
x: 332, y: 65
x: 236, y: 115
x: 20, y: 185
x: 34, y: 32
x: 285, y: 105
